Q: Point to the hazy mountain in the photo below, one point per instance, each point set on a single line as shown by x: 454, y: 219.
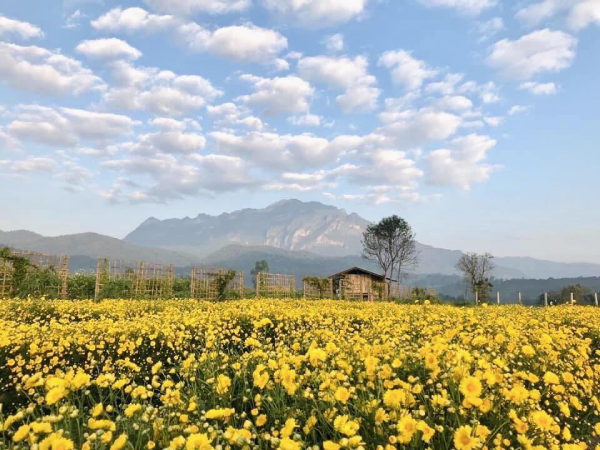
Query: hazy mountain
x: 85, y: 246
x: 294, y: 237
x: 289, y: 225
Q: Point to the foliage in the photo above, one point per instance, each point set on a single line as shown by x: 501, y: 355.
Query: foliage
x: 322, y: 285
x: 391, y: 244
x: 30, y: 280
x: 287, y: 374
x: 222, y: 282
x: 259, y: 266
x: 181, y: 287
x: 477, y: 270
x: 81, y: 286
x: 582, y: 295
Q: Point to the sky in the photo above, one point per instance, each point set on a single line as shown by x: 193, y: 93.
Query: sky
x: 476, y: 120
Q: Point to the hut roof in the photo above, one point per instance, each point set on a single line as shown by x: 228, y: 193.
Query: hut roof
x: 358, y: 270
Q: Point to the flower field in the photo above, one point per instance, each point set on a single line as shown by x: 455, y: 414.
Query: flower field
x: 289, y: 375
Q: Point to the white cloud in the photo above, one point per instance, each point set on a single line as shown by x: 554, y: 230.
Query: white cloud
x: 39, y: 70
x: 108, y: 49
x: 410, y: 128
x: 455, y: 103
x: 245, y: 43
x: 445, y: 87
x: 67, y: 126
x: 495, y: 121
x: 334, y: 43
x: 24, y: 30
x: 516, y: 109
x: 229, y: 114
x: 489, y: 28
x: 37, y: 164
x: 73, y: 21
x: 242, y: 43
x: 278, y: 152
x: 539, y: 88
x: 537, y: 52
x: 174, y: 178
x: 308, y: 120
x: 191, y: 7
x: 280, y: 95
x: 471, y: 7
x: 8, y: 142
x: 386, y: 166
x: 583, y: 14
x: 343, y: 73
x: 74, y: 175
x: 317, y: 13
x: 406, y: 70
x: 159, y: 92
x: 133, y: 19
x: 463, y: 164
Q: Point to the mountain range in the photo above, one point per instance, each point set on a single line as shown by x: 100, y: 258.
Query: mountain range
x: 293, y: 236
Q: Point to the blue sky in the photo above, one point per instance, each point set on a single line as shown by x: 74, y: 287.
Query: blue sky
x: 474, y: 119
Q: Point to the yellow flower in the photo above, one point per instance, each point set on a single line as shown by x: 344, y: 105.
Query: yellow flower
x: 406, y: 429
x: 55, y: 394
x: 198, y: 442
x: 288, y: 428
x: 346, y: 426
x: 470, y: 387
x: 551, y: 378
x: 542, y: 420
x: 106, y: 437
x: 394, y: 398
x: 223, y: 384
x: 427, y: 431
x: 219, y: 413
x: 463, y: 439
x: 342, y: 395
x: 41, y: 428
x: 98, y: 409
x: 330, y: 445
x: 261, y: 420
x: 288, y: 444
x: 21, y: 433
x: 119, y: 442
x: 132, y: 409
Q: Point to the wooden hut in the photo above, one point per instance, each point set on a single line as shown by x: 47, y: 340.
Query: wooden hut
x: 359, y: 284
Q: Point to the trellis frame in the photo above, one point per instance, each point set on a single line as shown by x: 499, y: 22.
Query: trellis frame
x: 203, y: 283
x: 311, y: 292
x: 275, y: 285
x: 407, y: 291
x: 59, y: 263
x: 148, y: 280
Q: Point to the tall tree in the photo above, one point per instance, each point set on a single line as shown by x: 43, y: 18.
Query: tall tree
x: 259, y: 266
x: 391, y: 244
x: 477, y: 270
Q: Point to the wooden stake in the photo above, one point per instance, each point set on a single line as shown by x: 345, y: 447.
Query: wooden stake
x: 545, y: 299
x: 520, y: 298
x: 596, y: 298
x: 498, y: 296
x: 572, y: 299
x: 476, y: 297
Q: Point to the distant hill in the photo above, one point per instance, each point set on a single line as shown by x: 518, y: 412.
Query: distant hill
x: 85, y: 246
x: 288, y: 224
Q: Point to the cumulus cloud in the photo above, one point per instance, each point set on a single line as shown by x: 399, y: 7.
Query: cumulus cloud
x: 317, y: 13
x: 539, y: 88
x: 280, y: 95
x: 132, y: 20
x: 191, y: 7
x: 228, y: 115
x: 405, y: 69
x: 471, y: 7
x: 68, y: 126
x: 36, y: 164
x: 108, y: 49
x: 243, y: 43
x: 307, y: 120
x: 8, y: 142
x: 23, y: 30
x: 537, y: 52
x: 47, y: 72
x: 516, y: 109
x: 463, y: 164
x: 174, y: 178
x: 159, y: 92
x: 345, y: 73
x: 334, y: 42
x: 489, y: 28
x: 583, y: 14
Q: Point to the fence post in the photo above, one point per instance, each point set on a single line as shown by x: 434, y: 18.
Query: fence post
x: 476, y: 297
x: 545, y: 299
x: 572, y: 299
x: 498, y: 296
x: 97, y: 290
x: 520, y: 298
x: 596, y: 298
x: 258, y: 285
